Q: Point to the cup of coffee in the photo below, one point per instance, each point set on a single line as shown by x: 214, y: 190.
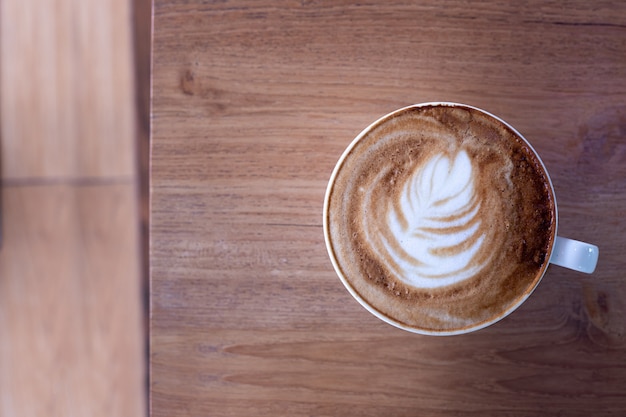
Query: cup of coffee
x: 441, y: 219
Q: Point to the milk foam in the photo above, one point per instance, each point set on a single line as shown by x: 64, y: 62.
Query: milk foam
x: 432, y: 234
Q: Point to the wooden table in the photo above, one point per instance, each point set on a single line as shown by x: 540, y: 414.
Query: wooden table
x: 253, y: 103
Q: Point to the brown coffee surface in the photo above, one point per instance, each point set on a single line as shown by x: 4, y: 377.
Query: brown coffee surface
x: 500, y: 206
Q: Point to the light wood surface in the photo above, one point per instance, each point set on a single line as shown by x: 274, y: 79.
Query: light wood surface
x: 70, y: 311
x: 254, y: 102
x: 72, y: 338
x: 67, y: 89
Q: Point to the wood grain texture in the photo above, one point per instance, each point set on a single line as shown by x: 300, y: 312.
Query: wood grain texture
x: 70, y: 328
x: 254, y: 102
x: 72, y: 339
x: 67, y: 89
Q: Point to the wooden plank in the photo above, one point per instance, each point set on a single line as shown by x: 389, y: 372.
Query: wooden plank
x: 254, y: 102
x: 67, y: 89
x: 72, y: 332
x: 70, y: 328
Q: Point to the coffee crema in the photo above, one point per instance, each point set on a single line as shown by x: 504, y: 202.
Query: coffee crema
x: 440, y: 218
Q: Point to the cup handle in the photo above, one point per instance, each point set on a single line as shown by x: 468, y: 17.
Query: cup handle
x: 573, y: 254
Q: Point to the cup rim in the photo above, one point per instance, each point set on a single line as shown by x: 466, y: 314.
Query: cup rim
x: 367, y: 305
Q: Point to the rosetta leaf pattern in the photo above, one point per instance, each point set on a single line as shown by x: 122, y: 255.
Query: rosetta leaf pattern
x: 434, y: 232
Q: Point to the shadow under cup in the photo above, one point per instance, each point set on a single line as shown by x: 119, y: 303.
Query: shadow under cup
x: 440, y: 218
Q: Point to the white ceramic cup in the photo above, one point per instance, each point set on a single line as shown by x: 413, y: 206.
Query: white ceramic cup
x: 568, y: 253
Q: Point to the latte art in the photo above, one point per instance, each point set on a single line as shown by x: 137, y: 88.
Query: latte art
x: 432, y: 234
x: 440, y: 218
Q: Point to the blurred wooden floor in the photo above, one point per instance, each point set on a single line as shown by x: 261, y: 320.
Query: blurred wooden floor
x: 73, y: 142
